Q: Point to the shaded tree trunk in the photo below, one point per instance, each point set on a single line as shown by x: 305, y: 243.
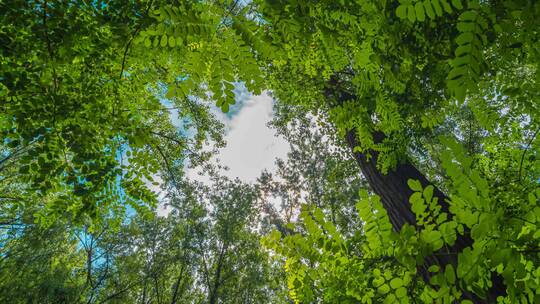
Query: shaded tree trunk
x: 156, y: 286
x: 217, y: 276
x: 177, y: 285
x: 143, y: 300
x: 394, y: 192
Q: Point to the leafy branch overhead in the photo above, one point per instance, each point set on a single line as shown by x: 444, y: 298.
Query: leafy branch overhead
x: 412, y: 176
x: 417, y: 10
x: 209, y: 53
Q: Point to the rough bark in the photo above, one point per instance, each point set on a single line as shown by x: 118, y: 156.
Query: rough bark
x: 177, y: 285
x: 217, y: 277
x: 394, y: 192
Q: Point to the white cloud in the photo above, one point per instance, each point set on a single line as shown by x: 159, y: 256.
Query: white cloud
x: 251, y: 145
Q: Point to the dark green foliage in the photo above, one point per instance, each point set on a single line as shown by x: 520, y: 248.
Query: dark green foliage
x: 448, y: 87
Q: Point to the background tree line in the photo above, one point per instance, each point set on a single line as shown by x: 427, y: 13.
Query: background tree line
x: 413, y: 174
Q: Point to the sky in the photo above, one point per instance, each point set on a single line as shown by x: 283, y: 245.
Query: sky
x: 251, y: 145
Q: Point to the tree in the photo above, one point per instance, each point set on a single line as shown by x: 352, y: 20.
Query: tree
x: 388, y: 72
x: 396, y: 79
x: 82, y: 110
x: 231, y: 265
x: 37, y: 265
x: 317, y: 171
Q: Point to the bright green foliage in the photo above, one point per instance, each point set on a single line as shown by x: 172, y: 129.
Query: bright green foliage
x: 498, y: 246
x: 325, y: 266
x: 82, y: 117
x: 37, y: 266
x: 318, y: 258
x: 206, y: 53
x: 371, y: 67
x: 502, y: 240
x: 400, y: 75
x: 323, y: 246
x: 418, y: 10
x: 377, y: 227
x: 84, y: 128
x: 468, y: 63
x: 469, y: 190
x: 196, y: 254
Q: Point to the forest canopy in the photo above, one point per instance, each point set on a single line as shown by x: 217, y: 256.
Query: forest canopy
x: 413, y: 174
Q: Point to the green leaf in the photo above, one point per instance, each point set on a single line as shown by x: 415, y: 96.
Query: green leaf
x: 411, y: 15
x: 383, y: 289
x: 469, y: 15
x: 414, y: 185
x: 401, y: 292
x: 401, y: 11
x: 164, y: 40
x: 171, y: 92
x: 225, y: 107
x: 396, y: 283
x: 429, y: 9
x: 437, y: 7
x: 390, y: 299
x: 172, y: 41
x: 433, y: 238
x: 457, y: 4
x: 419, y: 9
x: 450, y: 274
x: 536, y: 211
x: 465, y: 38
x: 433, y: 268
x: 481, y: 229
x: 318, y: 215
x: 532, y: 199
x: 378, y: 281
x: 417, y: 204
x: 428, y: 193
x: 466, y: 26
x: 446, y: 6
x: 147, y: 42
x: 448, y: 231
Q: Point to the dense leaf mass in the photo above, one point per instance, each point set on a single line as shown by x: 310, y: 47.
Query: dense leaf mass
x: 413, y: 174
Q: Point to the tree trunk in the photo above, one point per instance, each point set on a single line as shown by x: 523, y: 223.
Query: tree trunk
x: 143, y: 301
x: 394, y: 192
x: 177, y: 284
x: 217, y: 277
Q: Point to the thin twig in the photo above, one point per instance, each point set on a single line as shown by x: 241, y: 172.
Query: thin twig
x: 168, y: 137
x: 525, y: 152
x: 15, y: 154
x: 130, y: 41
x: 169, y: 169
x: 153, y: 109
x: 49, y: 46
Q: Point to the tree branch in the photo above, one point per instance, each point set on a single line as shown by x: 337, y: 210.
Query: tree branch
x: 130, y: 41
x: 525, y: 152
